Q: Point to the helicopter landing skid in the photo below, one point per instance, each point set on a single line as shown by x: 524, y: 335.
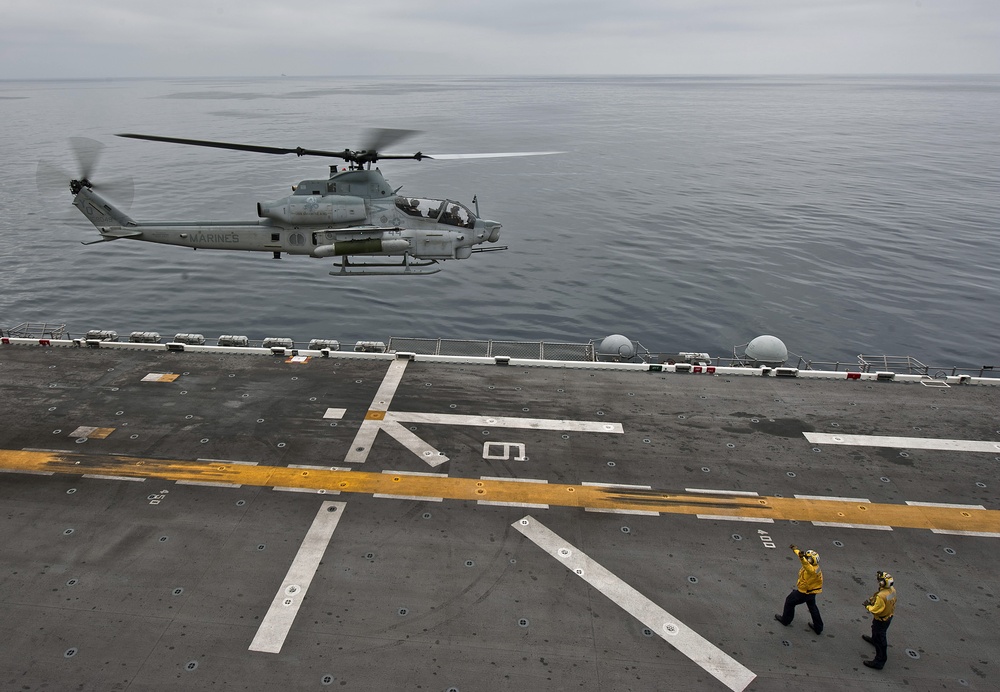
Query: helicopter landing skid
x: 404, y: 268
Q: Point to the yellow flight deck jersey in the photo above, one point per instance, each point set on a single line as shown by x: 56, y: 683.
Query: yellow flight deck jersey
x: 810, y: 576
x: 883, y: 604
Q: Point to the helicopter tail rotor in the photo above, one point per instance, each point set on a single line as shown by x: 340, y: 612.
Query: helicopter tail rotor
x: 87, y: 152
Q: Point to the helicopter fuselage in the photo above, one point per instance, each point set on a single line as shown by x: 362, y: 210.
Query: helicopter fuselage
x: 353, y: 213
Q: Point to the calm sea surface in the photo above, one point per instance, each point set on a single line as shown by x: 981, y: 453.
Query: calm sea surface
x: 844, y: 215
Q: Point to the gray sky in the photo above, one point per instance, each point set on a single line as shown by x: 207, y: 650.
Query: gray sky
x: 174, y: 38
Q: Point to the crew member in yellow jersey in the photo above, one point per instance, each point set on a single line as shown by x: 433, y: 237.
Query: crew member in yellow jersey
x: 881, y: 605
x: 809, y: 584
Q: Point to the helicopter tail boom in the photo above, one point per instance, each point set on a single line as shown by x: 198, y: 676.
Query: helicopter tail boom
x: 104, y: 215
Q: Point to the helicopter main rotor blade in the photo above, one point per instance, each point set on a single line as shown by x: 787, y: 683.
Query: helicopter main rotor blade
x: 379, y: 138
x: 496, y: 155
x: 376, y: 139
x: 298, y: 151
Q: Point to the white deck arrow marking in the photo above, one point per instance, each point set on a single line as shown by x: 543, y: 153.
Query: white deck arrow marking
x: 726, y: 669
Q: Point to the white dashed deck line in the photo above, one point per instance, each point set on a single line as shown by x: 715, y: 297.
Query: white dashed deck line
x: 740, y: 493
x: 841, y: 525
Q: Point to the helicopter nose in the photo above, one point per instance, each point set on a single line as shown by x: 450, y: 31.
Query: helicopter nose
x: 493, y: 231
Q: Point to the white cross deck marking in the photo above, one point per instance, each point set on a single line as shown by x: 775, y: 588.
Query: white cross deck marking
x: 285, y: 606
x: 506, y: 422
x: 726, y: 669
x: 904, y: 442
x: 413, y: 442
x: 390, y: 383
x: 365, y: 437
x: 381, y: 418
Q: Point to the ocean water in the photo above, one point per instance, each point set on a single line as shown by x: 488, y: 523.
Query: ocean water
x: 844, y: 215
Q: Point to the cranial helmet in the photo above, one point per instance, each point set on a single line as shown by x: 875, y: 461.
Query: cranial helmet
x: 812, y: 556
x: 884, y: 579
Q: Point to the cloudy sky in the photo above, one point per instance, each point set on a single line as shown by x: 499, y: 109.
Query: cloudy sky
x: 176, y: 38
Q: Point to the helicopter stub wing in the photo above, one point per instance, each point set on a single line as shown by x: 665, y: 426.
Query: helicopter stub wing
x: 108, y: 235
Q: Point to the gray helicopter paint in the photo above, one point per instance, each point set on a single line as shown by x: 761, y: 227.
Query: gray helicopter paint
x: 352, y: 213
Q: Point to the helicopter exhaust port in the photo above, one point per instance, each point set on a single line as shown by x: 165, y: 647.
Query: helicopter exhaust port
x: 368, y: 246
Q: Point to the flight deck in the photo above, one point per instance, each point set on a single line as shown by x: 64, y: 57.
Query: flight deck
x: 248, y: 519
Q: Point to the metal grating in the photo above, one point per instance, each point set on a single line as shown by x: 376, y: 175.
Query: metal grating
x: 517, y: 349
x: 907, y: 364
x: 463, y: 347
x: 37, y: 330
x: 428, y: 347
x: 481, y: 348
x: 560, y: 351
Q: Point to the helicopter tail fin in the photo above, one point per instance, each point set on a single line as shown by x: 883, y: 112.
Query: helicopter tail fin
x: 101, y: 212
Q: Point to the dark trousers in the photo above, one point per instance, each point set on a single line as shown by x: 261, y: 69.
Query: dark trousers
x: 796, y: 597
x: 878, y: 639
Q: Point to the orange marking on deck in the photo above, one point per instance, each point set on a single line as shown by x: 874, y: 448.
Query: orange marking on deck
x: 375, y: 415
x: 553, y: 494
x: 160, y: 377
x: 91, y: 433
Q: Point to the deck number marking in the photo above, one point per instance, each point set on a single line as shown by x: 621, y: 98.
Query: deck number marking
x: 505, y: 447
x: 765, y: 539
x: 157, y: 498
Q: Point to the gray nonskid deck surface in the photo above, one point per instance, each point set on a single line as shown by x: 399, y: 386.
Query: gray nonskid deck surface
x: 145, y: 585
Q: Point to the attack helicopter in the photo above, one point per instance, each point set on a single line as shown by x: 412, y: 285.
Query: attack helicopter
x: 353, y: 215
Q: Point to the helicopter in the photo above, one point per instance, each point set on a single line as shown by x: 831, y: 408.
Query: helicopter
x: 353, y: 215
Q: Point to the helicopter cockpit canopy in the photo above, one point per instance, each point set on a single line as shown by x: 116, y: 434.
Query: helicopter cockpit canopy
x: 440, y: 210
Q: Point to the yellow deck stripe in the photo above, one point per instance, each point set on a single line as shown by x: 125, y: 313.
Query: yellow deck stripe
x: 553, y: 494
